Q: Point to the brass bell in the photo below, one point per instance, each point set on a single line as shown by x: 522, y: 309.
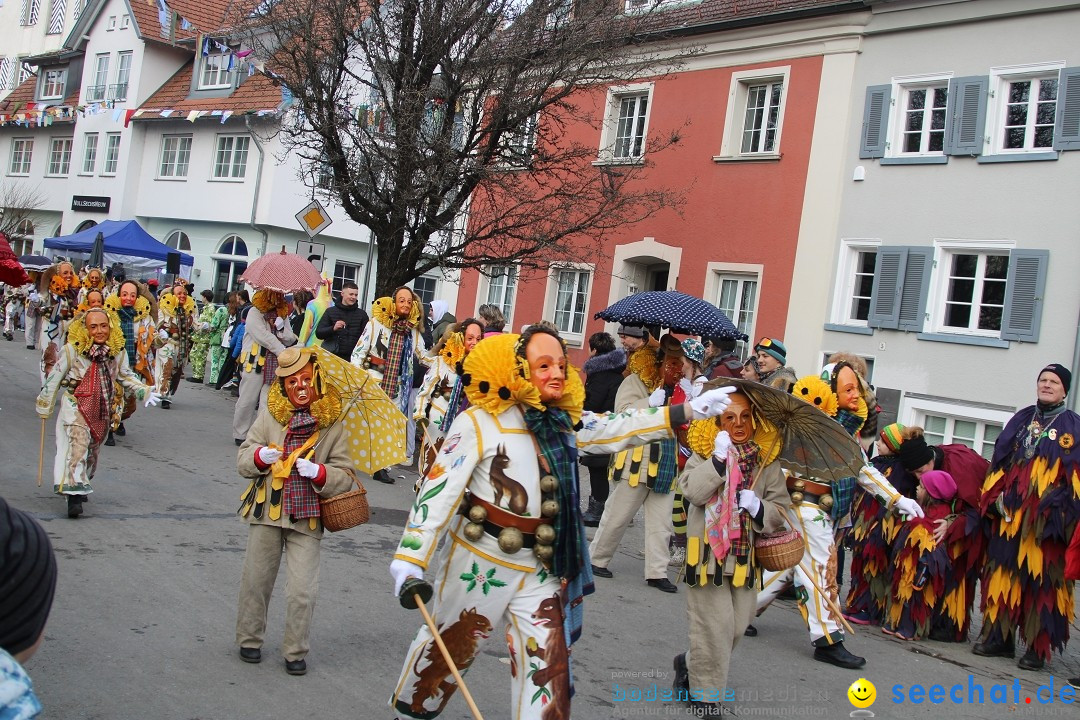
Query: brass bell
x: 826, y: 502
x: 544, y: 552
x: 549, y: 483
x: 799, y: 484
x: 549, y: 508
x: 511, y: 540
x: 545, y: 534
x: 796, y: 497
x: 477, y: 514
x: 473, y: 531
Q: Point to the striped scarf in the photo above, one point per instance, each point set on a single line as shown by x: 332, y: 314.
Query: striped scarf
x: 270, y: 363
x: 456, y: 404
x: 398, y: 367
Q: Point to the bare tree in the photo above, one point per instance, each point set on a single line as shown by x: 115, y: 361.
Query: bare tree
x: 18, y: 203
x: 415, y: 112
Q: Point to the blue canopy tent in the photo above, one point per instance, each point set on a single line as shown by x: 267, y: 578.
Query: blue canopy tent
x: 126, y: 243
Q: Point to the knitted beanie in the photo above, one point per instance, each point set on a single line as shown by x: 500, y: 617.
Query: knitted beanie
x: 27, y: 579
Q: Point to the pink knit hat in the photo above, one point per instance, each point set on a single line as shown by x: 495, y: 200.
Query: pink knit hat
x: 939, y: 484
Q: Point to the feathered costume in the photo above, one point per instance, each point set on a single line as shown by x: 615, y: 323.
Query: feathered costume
x: 920, y: 569
x: 1033, y: 497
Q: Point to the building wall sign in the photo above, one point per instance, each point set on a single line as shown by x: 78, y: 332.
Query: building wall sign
x: 90, y: 203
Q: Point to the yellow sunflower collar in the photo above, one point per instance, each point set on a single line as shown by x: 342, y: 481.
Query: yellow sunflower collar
x: 325, y: 410
x: 453, y: 350
x: 168, y: 305
x: 383, y: 311
x: 496, y: 379
x: 142, y: 306
x: 817, y: 392
x: 79, y: 336
x: 642, y: 362
x: 701, y: 438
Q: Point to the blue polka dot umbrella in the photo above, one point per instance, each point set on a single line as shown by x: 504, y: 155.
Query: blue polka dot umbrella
x: 674, y: 310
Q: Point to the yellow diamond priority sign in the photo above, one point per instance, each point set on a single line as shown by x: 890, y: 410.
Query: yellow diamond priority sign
x: 313, y: 218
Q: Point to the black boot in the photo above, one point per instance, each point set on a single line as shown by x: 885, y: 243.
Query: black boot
x: 838, y: 655
x: 383, y: 477
x: 109, y: 440
x: 993, y: 647
x: 121, y: 430
x: 1031, y: 660
x: 74, y: 505
x: 591, y: 517
x: 682, y: 677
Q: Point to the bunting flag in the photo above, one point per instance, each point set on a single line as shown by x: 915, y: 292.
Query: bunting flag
x: 127, y: 117
x: 225, y: 116
x: 167, y: 113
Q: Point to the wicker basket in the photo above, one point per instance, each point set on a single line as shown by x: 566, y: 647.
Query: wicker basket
x: 779, y: 551
x: 347, y: 510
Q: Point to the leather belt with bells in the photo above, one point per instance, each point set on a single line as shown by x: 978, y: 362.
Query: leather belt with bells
x: 808, y: 491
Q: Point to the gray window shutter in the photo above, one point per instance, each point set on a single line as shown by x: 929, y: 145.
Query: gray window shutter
x: 915, y: 287
x: 888, y: 281
x: 965, y: 120
x: 875, y: 124
x: 1024, y: 293
x: 1067, y: 125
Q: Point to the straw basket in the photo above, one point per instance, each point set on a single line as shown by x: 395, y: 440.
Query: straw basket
x: 779, y: 551
x: 347, y: 510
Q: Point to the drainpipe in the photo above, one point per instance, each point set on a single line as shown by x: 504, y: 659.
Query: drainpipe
x: 258, y: 184
x: 1075, y: 367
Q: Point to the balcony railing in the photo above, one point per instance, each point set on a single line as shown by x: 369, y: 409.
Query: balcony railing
x: 95, y: 93
x: 118, y: 91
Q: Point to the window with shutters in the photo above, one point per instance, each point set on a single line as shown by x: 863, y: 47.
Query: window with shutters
x: 1023, y: 118
x: 920, y: 119
x: 626, y: 124
x: 755, y: 115
x: 57, y: 16
x: 855, y: 281
x: 31, y: 12
x: 974, y: 292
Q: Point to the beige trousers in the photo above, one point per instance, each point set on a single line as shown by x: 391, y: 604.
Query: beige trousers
x: 252, y: 396
x: 716, y: 618
x: 261, y: 562
x: 619, y: 510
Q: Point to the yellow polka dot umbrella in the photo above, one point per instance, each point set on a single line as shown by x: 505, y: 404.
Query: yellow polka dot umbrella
x: 374, y: 426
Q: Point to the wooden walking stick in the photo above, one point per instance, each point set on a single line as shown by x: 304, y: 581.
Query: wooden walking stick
x: 413, y: 594
x: 828, y: 599
x: 41, y: 452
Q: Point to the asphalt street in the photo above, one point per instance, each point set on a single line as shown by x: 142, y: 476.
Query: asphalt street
x: 143, y: 622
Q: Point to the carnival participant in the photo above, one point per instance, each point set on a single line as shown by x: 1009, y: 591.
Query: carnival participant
x: 735, y: 494
x: 134, y: 307
x: 387, y: 348
x: 218, y: 322
x: 505, y: 488
x: 94, y: 280
x: 13, y: 299
x: 176, y: 323
x: 771, y: 356
x: 1032, y: 504
x: 83, y: 378
x: 645, y: 475
x: 202, y: 337
x: 690, y: 385
x: 603, y: 376
x: 32, y: 310
x: 295, y: 453
x: 816, y: 507
x: 59, y: 290
x: 266, y: 335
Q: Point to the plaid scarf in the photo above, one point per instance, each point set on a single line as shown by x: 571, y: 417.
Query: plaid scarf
x: 397, y: 371
x: 127, y: 326
x: 554, y: 433
x: 667, y: 465
x: 843, y: 491
x: 728, y: 530
x: 94, y: 393
x: 270, y: 363
x: 455, y: 405
x: 301, y: 500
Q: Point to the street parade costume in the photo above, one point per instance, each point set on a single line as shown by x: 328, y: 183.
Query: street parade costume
x: 59, y: 299
x: 1032, y: 500
x: 441, y: 386
x: 388, y: 346
x: 283, y: 508
x: 175, y: 326
x: 266, y: 335
x: 720, y: 565
x: 202, y: 340
x: 504, y: 491
x: 82, y: 383
x: 13, y: 299
x: 138, y: 328
x: 218, y: 323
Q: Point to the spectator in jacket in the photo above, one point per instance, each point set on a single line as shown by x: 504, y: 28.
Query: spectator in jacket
x: 720, y: 358
x: 441, y: 318
x: 603, y: 375
x: 494, y: 320
x: 343, y: 323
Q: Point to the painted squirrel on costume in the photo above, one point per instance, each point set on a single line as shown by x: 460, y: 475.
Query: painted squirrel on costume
x: 461, y: 640
x: 517, y: 498
x: 556, y: 668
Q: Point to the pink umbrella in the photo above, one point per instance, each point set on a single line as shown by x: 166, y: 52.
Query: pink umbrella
x: 11, y: 272
x: 282, y: 272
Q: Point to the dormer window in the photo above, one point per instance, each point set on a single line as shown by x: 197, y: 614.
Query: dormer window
x: 53, y: 83
x: 215, y: 72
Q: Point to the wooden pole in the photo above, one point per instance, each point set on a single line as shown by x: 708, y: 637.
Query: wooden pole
x: 41, y: 452
x: 446, y: 656
x: 828, y: 599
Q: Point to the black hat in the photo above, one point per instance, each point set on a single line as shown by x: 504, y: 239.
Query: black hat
x: 915, y: 453
x: 27, y: 579
x: 1062, y: 372
x: 631, y: 331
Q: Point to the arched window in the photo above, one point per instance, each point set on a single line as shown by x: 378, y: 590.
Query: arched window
x: 178, y: 240
x: 85, y: 225
x: 233, y: 245
x: 25, y: 228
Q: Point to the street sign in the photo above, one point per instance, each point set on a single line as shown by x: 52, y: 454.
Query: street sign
x: 313, y: 218
x: 313, y: 251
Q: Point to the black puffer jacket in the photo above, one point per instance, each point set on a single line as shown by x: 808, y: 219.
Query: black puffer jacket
x: 346, y: 338
x: 603, y: 375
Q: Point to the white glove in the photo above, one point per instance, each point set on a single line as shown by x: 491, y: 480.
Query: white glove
x: 658, y: 398
x: 402, y: 570
x: 266, y: 455
x: 722, y: 445
x: 687, y: 387
x: 152, y: 398
x: 711, y: 402
x: 163, y: 334
x: 34, y: 297
x: 279, y: 323
x: 750, y: 502
x: 307, y: 469
x: 907, y: 506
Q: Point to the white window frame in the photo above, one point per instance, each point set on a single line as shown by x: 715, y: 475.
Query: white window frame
x: 25, y: 153
x: 123, y: 74
x: 997, y: 107
x: 434, y: 289
x: 53, y: 81
x: 100, y: 79
x: 735, y: 114
x: 729, y: 273
x: 214, y: 73
x: 125, y: 22
x: 913, y: 411
x: 844, y: 287
x: 484, y: 288
x: 90, y: 151
x: 901, y: 87
x: 24, y: 71
x: 170, y: 165
x: 225, y: 164
x: 520, y: 146
x: 609, y: 132
x: 339, y: 278
x: 59, y: 157
x: 178, y: 240
x: 112, y: 154
x: 944, y: 249
x: 551, y: 299
x: 111, y: 25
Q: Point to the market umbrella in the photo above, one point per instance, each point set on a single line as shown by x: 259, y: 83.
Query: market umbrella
x: 812, y: 444
x: 282, y: 272
x: 35, y: 262
x: 675, y: 310
x: 11, y: 272
x: 374, y: 425
x: 97, y: 252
